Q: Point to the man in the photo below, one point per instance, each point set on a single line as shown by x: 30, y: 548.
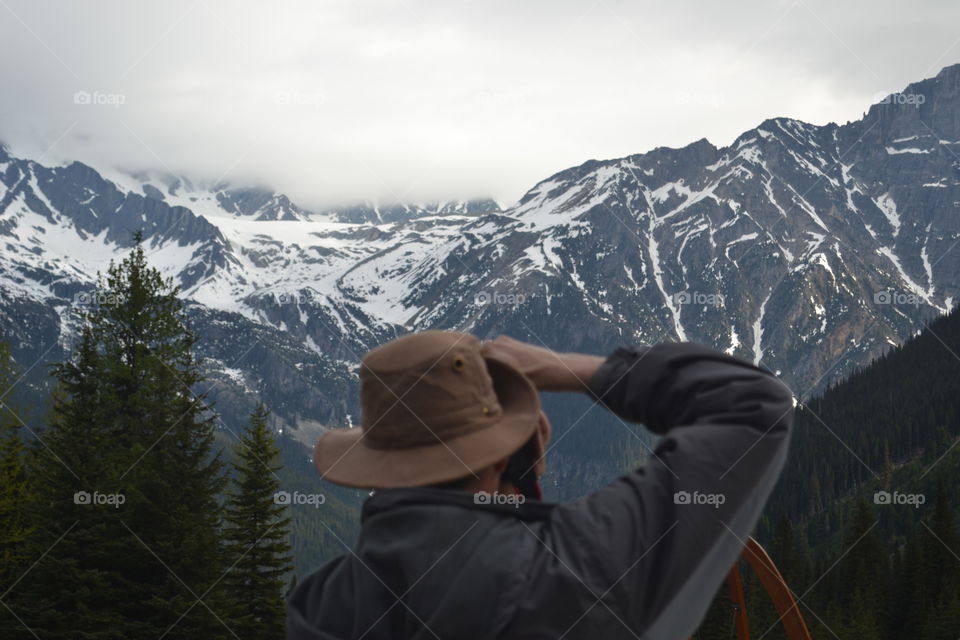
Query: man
x: 438, y: 557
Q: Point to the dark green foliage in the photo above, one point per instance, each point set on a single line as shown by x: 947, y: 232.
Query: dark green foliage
x: 129, y: 420
x: 867, y: 569
x: 256, y: 536
x: 15, y: 498
x: 127, y: 424
x: 318, y: 535
x: 904, y: 407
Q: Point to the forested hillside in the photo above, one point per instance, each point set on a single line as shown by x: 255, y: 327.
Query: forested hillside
x: 863, y: 523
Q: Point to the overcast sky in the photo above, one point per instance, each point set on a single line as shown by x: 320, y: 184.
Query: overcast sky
x: 414, y: 100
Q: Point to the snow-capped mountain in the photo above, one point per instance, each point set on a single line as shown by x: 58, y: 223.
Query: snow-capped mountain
x: 808, y: 248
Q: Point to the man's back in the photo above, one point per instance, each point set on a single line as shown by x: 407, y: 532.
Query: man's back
x: 641, y: 557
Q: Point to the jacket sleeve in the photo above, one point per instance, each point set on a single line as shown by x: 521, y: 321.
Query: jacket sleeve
x: 660, y: 540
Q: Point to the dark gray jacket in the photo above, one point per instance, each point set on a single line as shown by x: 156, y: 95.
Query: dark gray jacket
x: 642, y: 557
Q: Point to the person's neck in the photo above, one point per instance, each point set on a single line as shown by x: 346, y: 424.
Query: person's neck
x: 490, y: 486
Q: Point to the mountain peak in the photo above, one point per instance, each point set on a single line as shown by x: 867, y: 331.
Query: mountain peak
x: 951, y: 72
x: 926, y: 108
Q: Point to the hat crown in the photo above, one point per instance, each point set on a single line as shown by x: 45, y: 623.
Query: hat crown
x: 425, y: 388
x: 433, y: 408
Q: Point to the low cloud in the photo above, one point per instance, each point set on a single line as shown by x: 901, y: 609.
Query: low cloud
x: 338, y: 102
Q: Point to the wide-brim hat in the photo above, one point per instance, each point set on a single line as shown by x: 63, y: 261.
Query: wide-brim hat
x: 433, y: 408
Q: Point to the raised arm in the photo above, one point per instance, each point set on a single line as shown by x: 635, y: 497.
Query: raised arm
x: 663, y: 537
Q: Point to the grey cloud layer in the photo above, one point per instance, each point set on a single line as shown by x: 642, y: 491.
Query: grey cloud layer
x: 344, y: 101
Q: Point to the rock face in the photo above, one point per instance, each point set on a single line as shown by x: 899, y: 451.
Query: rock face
x: 807, y: 248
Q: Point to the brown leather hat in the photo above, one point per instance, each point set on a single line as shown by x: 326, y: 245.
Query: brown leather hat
x: 432, y: 409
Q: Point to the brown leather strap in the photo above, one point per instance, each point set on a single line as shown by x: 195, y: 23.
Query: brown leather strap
x: 775, y: 586
x: 777, y: 589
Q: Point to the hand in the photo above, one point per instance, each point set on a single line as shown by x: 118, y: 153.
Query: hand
x: 548, y: 370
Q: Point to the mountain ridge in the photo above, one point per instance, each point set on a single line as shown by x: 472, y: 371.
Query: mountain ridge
x: 775, y: 248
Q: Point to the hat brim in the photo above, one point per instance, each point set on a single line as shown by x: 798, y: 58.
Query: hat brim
x: 343, y: 457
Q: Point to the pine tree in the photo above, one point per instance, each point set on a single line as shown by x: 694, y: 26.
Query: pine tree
x: 861, y: 622
x: 257, y: 536
x: 860, y: 578
x: 907, y: 610
x: 75, y: 587
x: 943, y: 620
x: 941, y: 546
x: 15, y: 497
x: 151, y: 375
x: 128, y: 423
x: 763, y: 617
x: 718, y: 620
x: 783, y: 550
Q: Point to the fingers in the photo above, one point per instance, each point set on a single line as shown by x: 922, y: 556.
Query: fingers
x: 548, y: 370
x: 525, y: 358
x: 505, y: 348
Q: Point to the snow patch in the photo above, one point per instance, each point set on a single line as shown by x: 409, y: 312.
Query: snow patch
x: 893, y: 151
x: 758, y: 331
x: 889, y: 209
